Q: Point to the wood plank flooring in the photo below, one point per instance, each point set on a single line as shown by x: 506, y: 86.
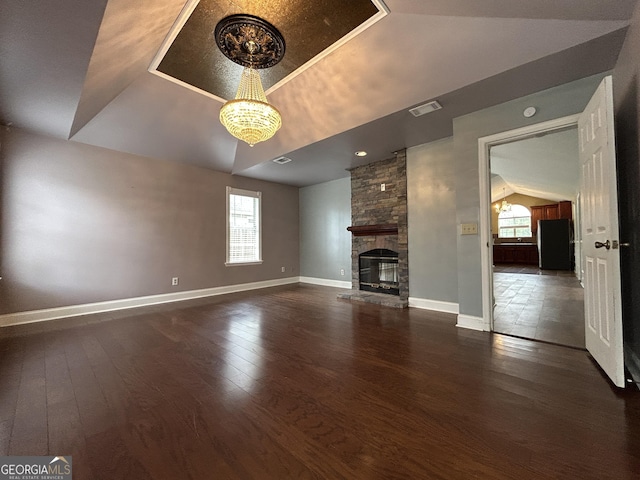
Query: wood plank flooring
x: 293, y: 383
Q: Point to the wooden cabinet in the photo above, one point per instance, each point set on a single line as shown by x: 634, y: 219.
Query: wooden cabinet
x: 565, y: 210
x: 537, y: 213
x: 524, y: 254
x: 553, y: 211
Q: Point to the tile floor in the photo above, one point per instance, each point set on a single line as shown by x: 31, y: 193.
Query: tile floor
x: 532, y: 270
x: 544, y: 307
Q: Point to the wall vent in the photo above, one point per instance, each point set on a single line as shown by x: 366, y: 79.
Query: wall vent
x: 425, y: 108
x: 281, y: 160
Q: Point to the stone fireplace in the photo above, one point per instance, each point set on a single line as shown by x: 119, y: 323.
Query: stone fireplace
x: 379, y: 225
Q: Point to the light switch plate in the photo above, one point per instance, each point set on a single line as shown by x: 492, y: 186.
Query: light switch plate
x: 468, y: 229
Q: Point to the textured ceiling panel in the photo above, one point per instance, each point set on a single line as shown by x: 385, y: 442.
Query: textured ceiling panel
x: 308, y: 28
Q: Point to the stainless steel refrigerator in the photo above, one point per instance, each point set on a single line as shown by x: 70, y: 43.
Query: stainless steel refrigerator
x: 555, y: 244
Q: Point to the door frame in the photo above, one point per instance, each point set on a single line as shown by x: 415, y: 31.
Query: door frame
x: 484, y: 145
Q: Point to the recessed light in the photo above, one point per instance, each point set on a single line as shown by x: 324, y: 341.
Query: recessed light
x: 361, y: 153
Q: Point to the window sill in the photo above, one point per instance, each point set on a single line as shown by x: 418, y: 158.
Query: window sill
x: 234, y: 264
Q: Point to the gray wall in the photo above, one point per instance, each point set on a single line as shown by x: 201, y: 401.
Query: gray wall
x: 325, y: 243
x: 458, y: 263
x: 626, y: 88
x: 84, y: 224
x: 431, y: 199
x: 557, y: 102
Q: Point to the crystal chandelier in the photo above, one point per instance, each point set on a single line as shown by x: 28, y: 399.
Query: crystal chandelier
x: 250, y: 117
x: 253, y: 43
x: 504, y: 206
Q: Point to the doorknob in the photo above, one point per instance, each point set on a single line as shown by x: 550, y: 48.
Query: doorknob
x: 606, y: 244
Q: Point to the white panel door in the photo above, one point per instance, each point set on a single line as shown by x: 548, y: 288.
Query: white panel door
x: 600, y: 243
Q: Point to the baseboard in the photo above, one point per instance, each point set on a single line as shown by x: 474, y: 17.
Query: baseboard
x: 325, y: 282
x: 472, y: 323
x: 435, y: 305
x: 632, y: 362
x: 20, y: 318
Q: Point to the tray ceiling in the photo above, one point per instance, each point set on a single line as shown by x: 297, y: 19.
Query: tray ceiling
x: 310, y: 29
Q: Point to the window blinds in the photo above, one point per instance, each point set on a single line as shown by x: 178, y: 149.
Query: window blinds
x: 243, y: 244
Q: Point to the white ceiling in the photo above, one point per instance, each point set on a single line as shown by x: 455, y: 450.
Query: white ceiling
x: 78, y: 70
x: 544, y: 166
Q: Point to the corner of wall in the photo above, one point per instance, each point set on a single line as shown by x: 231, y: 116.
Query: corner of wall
x: 473, y: 323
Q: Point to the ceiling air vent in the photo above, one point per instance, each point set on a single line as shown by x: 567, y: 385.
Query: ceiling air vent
x: 281, y: 160
x: 425, y: 108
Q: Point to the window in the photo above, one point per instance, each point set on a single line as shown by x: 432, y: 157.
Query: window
x: 243, y: 227
x: 514, y: 223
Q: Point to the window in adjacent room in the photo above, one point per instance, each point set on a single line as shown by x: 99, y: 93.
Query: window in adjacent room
x: 515, y: 222
x: 243, y: 227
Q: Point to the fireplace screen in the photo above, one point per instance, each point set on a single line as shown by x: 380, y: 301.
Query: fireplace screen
x: 379, y: 271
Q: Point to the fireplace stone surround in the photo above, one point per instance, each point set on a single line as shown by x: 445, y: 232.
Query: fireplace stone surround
x: 379, y: 221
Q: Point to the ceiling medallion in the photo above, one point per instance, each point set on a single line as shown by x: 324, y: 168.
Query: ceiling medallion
x: 253, y: 43
x: 249, y: 41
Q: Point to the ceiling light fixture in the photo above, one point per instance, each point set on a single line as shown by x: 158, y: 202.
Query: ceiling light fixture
x: 361, y: 153
x: 253, y: 43
x: 504, y: 206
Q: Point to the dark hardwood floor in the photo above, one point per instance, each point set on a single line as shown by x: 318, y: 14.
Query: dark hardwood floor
x: 292, y: 383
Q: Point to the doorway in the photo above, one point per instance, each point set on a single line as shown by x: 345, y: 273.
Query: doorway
x: 525, y: 171
x: 537, y: 292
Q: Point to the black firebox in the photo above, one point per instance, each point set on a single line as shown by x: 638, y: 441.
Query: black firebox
x: 379, y: 271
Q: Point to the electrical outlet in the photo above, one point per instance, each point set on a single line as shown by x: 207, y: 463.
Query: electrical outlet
x: 174, y: 281
x: 468, y: 229
x: 383, y: 187
x: 282, y: 269
x: 342, y: 272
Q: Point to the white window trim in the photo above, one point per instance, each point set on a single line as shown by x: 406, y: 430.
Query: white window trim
x: 246, y: 193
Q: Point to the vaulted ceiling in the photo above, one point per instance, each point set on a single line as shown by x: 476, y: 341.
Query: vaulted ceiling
x: 544, y: 166
x: 80, y: 70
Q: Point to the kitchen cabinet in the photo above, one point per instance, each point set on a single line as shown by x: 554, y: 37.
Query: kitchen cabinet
x: 552, y: 211
x: 565, y: 210
x: 520, y: 253
x: 537, y: 213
